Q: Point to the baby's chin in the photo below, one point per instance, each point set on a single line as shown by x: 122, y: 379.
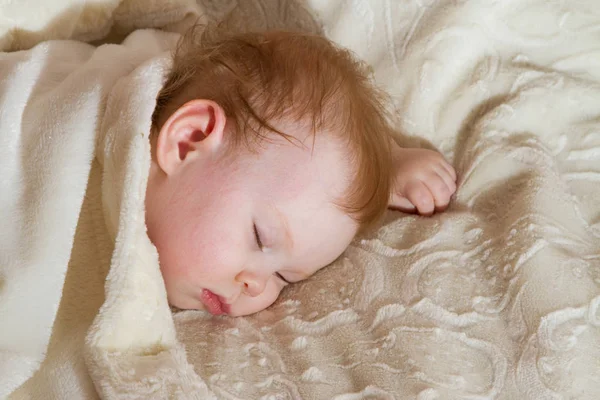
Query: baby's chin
x: 184, y: 302
x: 198, y: 306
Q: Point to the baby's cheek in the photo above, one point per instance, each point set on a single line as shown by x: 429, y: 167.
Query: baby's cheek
x: 174, y: 263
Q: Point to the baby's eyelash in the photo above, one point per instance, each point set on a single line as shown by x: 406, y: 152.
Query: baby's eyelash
x: 282, y: 278
x: 260, y: 246
x: 257, y: 237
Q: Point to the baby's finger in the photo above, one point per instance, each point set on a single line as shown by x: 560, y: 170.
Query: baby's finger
x: 441, y: 193
x: 401, y: 203
x: 445, y: 176
x: 449, y: 168
x: 421, y: 197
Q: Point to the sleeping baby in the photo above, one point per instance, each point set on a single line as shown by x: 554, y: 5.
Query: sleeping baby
x: 211, y: 179
x: 270, y: 153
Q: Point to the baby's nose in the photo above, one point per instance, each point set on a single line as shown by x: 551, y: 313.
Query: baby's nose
x: 254, y: 287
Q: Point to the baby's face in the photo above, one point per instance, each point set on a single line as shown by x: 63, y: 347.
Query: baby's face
x: 228, y: 227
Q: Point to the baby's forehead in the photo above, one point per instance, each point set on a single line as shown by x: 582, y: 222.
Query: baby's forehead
x: 318, y: 162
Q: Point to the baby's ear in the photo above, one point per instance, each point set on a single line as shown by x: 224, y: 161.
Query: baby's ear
x: 195, y: 129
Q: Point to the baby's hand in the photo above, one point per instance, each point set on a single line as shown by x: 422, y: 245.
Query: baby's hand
x: 424, y: 181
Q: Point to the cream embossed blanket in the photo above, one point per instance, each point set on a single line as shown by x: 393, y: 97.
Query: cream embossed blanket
x: 498, y: 298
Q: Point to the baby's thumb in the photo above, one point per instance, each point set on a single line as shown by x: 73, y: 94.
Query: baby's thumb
x: 401, y: 203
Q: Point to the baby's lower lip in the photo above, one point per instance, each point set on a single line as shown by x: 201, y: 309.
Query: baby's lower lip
x: 224, y: 305
x: 212, y: 303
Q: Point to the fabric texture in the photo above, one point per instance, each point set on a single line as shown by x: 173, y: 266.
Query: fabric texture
x: 497, y: 298
x: 75, y: 160
x: 25, y: 23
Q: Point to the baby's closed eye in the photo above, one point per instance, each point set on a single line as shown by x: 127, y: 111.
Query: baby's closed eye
x: 277, y: 274
x: 259, y: 242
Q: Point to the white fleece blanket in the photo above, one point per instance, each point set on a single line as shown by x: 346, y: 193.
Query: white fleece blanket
x: 25, y: 23
x: 498, y: 298
x: 74, y: 161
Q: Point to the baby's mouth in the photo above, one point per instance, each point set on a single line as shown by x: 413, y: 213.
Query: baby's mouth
x: 213, y: 303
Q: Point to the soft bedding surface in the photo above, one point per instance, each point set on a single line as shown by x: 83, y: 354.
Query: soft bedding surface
x: 25, y: 23
x: 497, y: 298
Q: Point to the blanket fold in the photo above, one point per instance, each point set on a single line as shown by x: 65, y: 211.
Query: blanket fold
x: 65, y: 205
x: 497, y: 298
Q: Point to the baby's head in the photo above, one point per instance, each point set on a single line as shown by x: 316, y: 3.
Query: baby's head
x: 270, y: 153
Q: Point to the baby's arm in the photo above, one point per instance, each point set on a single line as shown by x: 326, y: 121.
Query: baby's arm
x: 424, y: 181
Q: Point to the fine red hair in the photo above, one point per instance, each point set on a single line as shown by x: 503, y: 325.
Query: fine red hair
x: 260, y: 78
